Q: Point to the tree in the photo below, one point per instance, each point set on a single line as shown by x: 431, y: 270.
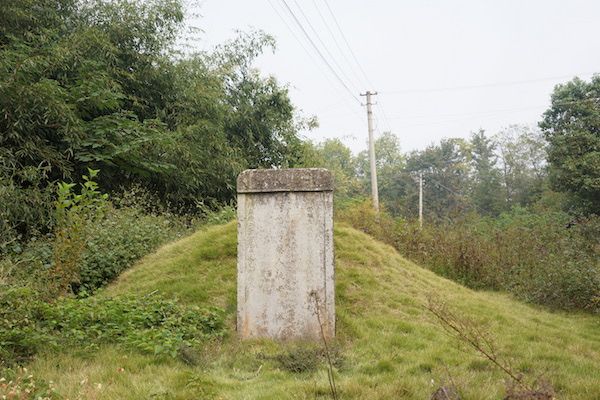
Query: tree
x: 337, y: 158
x: 522, y: 153
x: 97, y: 84
x: 572, y: 127
x: 486, y: 187
x: 445, y: 169
x: 85, y: 83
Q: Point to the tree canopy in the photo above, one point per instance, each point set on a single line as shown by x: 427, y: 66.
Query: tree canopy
x: 98, y: 84
x: 572, y: 128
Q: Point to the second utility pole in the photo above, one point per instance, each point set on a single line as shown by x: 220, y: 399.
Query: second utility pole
x: 374, y: 191
x: 420, y: 199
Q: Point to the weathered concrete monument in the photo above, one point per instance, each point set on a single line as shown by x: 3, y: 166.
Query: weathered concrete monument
x: 285, y: 286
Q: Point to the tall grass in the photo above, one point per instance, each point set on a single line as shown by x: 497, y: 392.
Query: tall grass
x: 546, y: 258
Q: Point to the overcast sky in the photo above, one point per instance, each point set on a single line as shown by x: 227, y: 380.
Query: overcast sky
x: 442, y: 68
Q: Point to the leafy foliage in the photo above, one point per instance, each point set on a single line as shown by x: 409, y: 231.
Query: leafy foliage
x: 149, y: 324
x: 487, y: 175
x: 522, y: 160
x: 572, y: 127
x: 120, y: 239
x: 486, y: 187
x: 99, y: 85
x: 74, y: 212
x: 94, y: 240
x: 545, y: 258
x: 26, y: 211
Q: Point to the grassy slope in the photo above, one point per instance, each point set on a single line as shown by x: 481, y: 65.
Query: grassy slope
x: 392, y: 347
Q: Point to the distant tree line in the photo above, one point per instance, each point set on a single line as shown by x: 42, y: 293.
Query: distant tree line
x: 555, y: 165
x: 485, y: 174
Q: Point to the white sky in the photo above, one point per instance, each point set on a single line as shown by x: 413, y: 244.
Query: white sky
x: 419, y: 55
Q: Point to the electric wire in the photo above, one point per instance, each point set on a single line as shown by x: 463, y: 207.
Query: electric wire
x: 323, y: 58
x: 488, y: 113
x: 485, y: 113
x: 324, y: 46
x: 289, y: 28
x: 337, y: 44
x: 385, y: 117
x: 310, y: 56
x: 357, y: 62
x: 347, y: 43
x: 483, y: 85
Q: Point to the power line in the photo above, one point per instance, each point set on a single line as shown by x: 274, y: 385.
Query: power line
x: 344, y: 78
x: 357, y: 62
x: 319, y: 51
x: 463, y: 196
x: 483, y: 85
x: 331, y: 56
x: 346, y: 41
x: 484, y: 114
x: 341, y: 51
x: 289, y: 28
x: 426, y: 165
x: 501, y: 110
x: 319, y: 66
x: 488, y: 113
x: 385, y: 118
x: 446, y: 188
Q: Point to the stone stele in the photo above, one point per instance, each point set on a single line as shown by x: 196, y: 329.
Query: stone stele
x: 285, y: 275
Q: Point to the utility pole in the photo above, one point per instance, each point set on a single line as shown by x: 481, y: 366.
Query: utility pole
x: 374, y: 191
x: 420, y: 199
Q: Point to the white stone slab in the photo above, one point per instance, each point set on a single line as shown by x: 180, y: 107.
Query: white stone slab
x: 285, y: 254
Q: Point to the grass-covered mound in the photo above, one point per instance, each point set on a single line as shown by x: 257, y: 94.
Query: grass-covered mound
x: 388, y: 344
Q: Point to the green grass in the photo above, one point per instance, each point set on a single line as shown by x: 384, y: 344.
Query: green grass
x: 389, y: 346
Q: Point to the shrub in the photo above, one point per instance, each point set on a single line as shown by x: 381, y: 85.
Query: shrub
x: 121, y: 238
x: 546, y: 258
x: 218, y: 216
x: 150, y: 324
x: 20, y: 335
x: 362, y: 216
x: 24, y: 212
x: 74, y: 213
x: 92, y: 244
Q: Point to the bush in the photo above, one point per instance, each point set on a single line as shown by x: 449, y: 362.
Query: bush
x: 74, y: 213
x: 25, y: 211
x: 218, y: 216
x: 85, y: 252
x: 362, y: 216
x: 567, y: 272
x: 121, y: 238
x: 20, y: 335
x: 546, y: 258
x: 150, y: 324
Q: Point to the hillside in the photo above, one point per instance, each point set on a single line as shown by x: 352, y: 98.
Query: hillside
x: 388, y: 345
